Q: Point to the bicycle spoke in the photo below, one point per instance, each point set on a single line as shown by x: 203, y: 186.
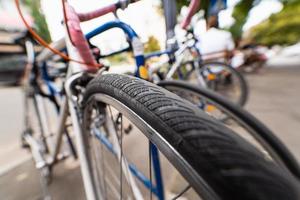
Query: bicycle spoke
x: 182, y: 192
x: 104, y: 171
x: 121, y: 157
x: 99, y: 155
x: 150, y: 169
x: 96, y: 166
x: 103, y: 164
x: 125, y: 168
x: 112, y: 119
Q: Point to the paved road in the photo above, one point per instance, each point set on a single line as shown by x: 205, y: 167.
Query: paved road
x: 11, y: 107
x: 274, y: 99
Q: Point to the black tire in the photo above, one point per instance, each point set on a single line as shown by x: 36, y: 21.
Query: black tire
x: 243, y: 86
x: 262, y: 133
x: 229, y: 165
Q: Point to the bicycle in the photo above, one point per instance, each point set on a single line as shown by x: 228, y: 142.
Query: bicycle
x: 186, y: 63
x: 100, y: 102
x: 207, y: 101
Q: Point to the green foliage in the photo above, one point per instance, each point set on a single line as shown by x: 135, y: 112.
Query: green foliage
x: 39, y: 18
x: 125, y: 57
x: 152, y: 45
x: 204, y: 5
x: 241, y: 12
x: 281, y: 28
x: 240, y: 15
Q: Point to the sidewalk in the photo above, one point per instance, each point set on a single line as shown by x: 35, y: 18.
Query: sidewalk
x: 23, y: 182
x: 275, y: 100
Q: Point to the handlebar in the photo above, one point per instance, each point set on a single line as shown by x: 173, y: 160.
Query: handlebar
x: 121, y: 4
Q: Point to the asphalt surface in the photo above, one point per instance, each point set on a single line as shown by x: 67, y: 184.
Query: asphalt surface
x: 274, y: 99
x: 11, y: 118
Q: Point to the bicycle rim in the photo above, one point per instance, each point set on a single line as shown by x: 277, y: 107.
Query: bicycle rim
x: 222, y: 79
x: 131, y: 187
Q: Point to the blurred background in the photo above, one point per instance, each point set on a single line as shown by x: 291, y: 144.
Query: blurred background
x: 266, y: 34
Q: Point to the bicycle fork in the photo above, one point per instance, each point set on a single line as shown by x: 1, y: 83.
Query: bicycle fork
x: 73, y: 107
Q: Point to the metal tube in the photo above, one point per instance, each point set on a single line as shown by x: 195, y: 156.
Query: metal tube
x: 84, y: 166
x: 171, y: 20
x: 60, y: 128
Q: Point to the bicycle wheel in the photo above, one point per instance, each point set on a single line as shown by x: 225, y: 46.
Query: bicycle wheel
x: 236, y: 118
x: 215, y: 162
x: 219, y: 77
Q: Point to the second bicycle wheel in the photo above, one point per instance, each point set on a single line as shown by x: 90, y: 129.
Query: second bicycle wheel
x: 125, y: 119
x: 238, y: 119
x: 220, y: 77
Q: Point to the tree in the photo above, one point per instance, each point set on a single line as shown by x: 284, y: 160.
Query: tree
x: 39, y: 18
x: 240, y: 15
x: 152, y: 45
x: 281, y: 28
x: 241, y: 12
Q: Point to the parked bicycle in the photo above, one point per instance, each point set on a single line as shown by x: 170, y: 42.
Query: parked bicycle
x: 186, y: 63
x: 111, y: 113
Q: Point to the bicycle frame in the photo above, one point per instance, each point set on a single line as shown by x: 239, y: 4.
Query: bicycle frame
x: 179, y: 58
x: 69, y: 104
